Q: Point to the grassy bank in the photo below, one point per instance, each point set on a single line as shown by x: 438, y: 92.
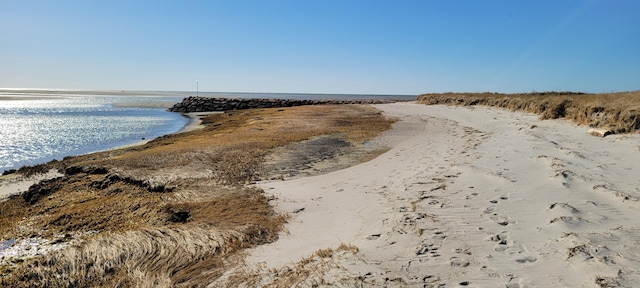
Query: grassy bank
x: 618, y: 112
x: 173, y: 212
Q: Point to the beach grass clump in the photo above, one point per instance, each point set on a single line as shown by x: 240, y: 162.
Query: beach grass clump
x: 321, y: 269
x: 617, y: 112
x: 176, y: 211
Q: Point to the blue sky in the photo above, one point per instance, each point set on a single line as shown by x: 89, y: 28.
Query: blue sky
x: 328, y: 46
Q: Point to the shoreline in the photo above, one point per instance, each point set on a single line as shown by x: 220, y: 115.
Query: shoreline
x: 455, y: 202
x: 14, y: 184
x: 190, y: 195
x: 195, y: 121
x: 124, y: 135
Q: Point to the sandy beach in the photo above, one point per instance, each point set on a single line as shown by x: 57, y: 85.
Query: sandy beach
x: 470, y: 197
x: 475, y: 197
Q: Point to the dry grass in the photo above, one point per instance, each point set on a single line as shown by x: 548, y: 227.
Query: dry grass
x: 170, y: 212
x: 618, y: 112
x: 318, y: 270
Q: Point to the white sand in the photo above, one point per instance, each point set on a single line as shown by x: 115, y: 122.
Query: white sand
x: 195, y: 121
x: 15, y: 184
x: 473, y: 197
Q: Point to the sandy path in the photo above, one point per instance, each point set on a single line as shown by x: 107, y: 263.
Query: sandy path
x: 472, y: 197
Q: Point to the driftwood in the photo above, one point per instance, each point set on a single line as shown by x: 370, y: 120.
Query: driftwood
x: 600, y: 132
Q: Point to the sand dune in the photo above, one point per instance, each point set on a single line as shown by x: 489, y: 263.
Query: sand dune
x: 475, y: 197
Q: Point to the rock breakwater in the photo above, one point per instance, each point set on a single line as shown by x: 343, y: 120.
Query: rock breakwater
x: 206, y: 104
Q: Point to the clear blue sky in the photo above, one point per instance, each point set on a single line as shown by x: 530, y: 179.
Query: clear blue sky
x: 322, y: 46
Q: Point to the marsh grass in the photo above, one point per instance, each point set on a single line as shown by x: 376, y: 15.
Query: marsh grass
x: 618, y: 112
x: 175, y: 211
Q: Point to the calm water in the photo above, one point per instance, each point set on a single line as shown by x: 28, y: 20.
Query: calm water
x: 51, y: 126
x: 39, y: 126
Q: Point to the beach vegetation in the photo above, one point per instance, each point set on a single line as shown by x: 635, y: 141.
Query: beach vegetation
x: 176, y: 211
x: 617, y: 112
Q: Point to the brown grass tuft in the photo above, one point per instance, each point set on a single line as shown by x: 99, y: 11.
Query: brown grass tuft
x: 618, y: 112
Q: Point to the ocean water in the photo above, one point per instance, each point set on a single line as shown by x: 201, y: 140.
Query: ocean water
x: 37, y: 126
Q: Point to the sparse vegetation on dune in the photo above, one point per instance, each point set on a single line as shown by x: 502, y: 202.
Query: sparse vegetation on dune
x: 173, y: 212
x: 618, y: 112
x: 321, y: 269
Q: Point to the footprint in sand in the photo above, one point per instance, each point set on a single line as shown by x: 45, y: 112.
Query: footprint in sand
x: 502, y: 220
x: 490, y: 272
x: 470, y: 196
x: 569, y: 220
x: 502, y: 241
x: 528, y: 259
x: 502, y: 175
x: 430, y: 279
x: 501, y: 198
x: 439, y: 235
x: 489, y: 210
x: 434, y: 202
x: 459, y: 262
x: 565, y: 207
x: 425, y: 248
x: 373, y: 236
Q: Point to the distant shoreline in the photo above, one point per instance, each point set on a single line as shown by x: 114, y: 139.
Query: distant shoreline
x: 309, y: 96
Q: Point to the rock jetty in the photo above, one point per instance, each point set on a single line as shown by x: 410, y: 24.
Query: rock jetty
x: 206, y: 104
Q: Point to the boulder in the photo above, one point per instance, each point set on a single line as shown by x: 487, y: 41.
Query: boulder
x: 204, y: 104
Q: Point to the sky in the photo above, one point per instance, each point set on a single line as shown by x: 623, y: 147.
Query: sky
x: 322, y: 46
